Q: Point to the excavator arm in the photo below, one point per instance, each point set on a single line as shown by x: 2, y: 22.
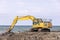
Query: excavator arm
x: 20, y: 18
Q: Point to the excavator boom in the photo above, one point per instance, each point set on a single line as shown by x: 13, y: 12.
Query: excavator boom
x: 20, y: 18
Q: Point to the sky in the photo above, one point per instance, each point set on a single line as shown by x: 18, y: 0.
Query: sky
x: 46, y: 9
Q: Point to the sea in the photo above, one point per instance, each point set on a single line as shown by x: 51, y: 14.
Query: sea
x: 23, y: 28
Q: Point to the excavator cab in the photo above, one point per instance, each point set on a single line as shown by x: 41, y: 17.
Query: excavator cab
x: 42, y: 24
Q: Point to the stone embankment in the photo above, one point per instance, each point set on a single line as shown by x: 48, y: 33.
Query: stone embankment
x: 31, y: 36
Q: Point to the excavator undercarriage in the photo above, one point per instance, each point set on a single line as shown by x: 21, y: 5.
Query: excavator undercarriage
x: 40, y: 30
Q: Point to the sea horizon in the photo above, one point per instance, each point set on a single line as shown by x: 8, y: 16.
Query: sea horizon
x: 22, y: 28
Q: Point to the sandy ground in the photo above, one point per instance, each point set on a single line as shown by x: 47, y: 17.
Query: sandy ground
x: 31, y: 36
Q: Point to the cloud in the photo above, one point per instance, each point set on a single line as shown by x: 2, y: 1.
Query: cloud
x: 29, y: 10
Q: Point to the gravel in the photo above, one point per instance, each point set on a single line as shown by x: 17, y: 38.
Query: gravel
x: 31, y: 36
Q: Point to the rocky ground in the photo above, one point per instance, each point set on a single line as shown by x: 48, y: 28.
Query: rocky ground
x: 31, y: 36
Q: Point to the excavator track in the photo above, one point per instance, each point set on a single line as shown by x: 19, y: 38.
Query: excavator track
x: 40, y: 30
x: 45, y: 30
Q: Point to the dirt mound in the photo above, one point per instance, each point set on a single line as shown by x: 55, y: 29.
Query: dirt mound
x: 31, y: 36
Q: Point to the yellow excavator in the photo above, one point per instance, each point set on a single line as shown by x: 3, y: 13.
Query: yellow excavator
x: 38, y: 23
